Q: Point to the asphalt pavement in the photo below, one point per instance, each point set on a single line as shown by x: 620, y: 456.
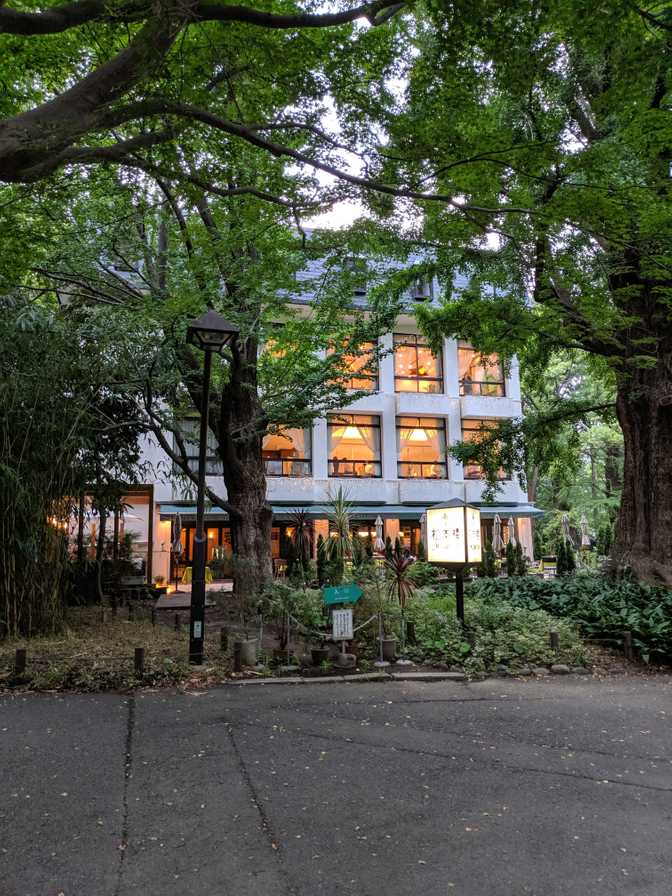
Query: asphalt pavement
x: 504, y: 788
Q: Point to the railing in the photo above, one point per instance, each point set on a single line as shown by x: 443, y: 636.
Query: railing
x: 434, y: 384
x: 293, y: 467
x: 488, y: 389
x: 355, y: 468
x: 412, y: 469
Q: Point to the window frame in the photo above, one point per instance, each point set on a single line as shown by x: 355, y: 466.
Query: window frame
x: 502, y: 477
x: 214, y: 465
x: 479, y: 384
x: 441, y: 427
x: 291, y: 460
x: 401, y: 339
x: 334, y: 420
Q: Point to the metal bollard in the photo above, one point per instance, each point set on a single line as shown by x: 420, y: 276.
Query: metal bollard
x: 20, y: 661
x: 224, y: 639
x: 627, y: 646
x: 139, y: 660
x: 555, y: 641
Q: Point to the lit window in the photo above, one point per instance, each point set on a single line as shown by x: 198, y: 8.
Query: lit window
x: 473, y: 431
x: 421, y: 448
x: 479, y: 374
x: 416, y: 367
x: 190, y: 432
x: 287, y: 453
x: 354, y: 445
x: 363, y: 366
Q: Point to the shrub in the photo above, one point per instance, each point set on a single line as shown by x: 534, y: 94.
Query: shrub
x: 423, y: 573
x: 487, y: 567
x: 494, y: 634
x: 602, y: 608
x: 510, y: 558
x: 521, y: 561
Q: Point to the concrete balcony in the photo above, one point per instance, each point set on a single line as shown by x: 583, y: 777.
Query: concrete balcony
x: 478, y: 406
x: 510, y: 493
x: 429, y: 491
x: 425, y: 404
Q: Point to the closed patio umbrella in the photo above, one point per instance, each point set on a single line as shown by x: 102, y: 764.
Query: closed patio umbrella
x: 497, y: 542
x: 512, y: 531
x: 423, y: 530
x: 379, y: 544
x: 585, y: 537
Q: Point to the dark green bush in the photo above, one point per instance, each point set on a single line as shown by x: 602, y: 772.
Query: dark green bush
x: 422, y: 573
x: 602, y: 608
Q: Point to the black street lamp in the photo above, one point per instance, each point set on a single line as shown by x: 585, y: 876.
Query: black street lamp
x: 211, y: 333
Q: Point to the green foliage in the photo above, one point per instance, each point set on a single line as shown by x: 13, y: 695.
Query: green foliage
x: 389, y: 552
x: 561, y: 558
x: 602, y: 608
x: 521, y: 561
x: 498, y: 634
x: 321, y: 561
x: 488, y: 567
x: 423, y: 574
x: 604, y: 540
x: 421, y: 556
x: 510, y: 559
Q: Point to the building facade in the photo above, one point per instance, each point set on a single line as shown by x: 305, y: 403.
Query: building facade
x: 388, y: 451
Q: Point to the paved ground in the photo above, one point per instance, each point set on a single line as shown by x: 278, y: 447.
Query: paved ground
x: 498, y: 788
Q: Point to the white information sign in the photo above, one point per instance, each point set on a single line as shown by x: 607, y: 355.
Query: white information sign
x: 453, y: 534
x: 341, y: 621
x: 473, y: 535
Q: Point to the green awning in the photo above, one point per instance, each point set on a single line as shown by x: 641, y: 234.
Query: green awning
x: 283, y: 512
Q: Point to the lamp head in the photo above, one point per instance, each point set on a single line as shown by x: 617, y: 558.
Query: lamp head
x: 211, y: 332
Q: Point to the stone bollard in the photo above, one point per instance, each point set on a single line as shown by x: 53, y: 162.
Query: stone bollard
x: 20, y: 661
x: 247, y: 651
x: 555, y: 641
x: 627, y: 646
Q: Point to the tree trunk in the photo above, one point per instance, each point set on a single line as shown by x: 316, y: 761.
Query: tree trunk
x: 644, y: 526
x: 240, y: 435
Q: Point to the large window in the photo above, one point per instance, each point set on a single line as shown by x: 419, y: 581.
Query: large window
x: 474, y: 431
x: 287, y: 453
x: 190, y: 432
x: 354, y: 445
x: 421, y: 448
x: 416, y: 368
x: 479, y: 374
x: 364, y: 368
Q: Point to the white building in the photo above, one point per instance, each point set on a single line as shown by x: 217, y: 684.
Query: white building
x: 388, y: 450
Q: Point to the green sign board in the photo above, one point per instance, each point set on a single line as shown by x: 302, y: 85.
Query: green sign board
x: 342, y: 594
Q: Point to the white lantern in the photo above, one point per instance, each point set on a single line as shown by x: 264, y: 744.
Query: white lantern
x: 454, y: 533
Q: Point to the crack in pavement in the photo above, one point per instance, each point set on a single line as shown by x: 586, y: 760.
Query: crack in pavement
x: 128, y: 766
x: 264, y: 819
x: 498, y: 763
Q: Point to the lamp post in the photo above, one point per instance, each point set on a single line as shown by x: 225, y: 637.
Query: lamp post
x: 454, y: 540
x: 211, y: 333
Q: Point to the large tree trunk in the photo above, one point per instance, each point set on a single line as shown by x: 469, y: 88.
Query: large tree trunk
x: 241, y: 426
x: 644, y: 525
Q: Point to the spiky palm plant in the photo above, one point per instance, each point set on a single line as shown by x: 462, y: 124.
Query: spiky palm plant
x: 401, y: 587
x: 339, y: 543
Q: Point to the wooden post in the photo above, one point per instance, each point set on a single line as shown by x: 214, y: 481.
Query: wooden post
x: 20, y: 661
x: 627, y: 646
x: 555, y: 641
x: 237, y: 649
x: 139, y: 660
x: 224, y: 639
x: 459, y: 594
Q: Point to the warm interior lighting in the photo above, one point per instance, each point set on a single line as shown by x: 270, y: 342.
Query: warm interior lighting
x: 418, y: 435
x: 352, y: 433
